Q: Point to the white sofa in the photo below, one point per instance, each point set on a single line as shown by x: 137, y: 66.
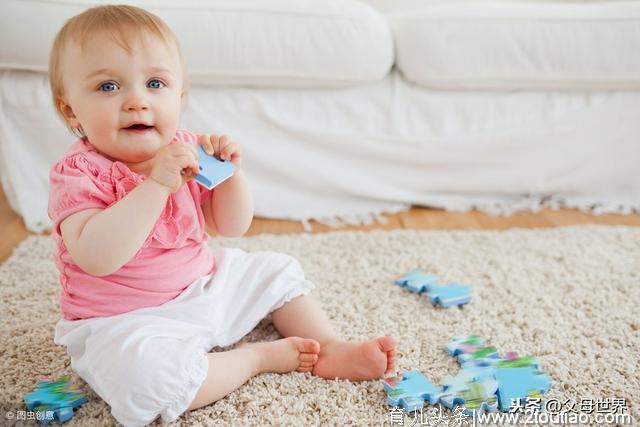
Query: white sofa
x: 348, y: 109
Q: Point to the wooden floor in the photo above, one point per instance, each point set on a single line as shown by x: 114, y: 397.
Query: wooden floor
x: 13, y: 231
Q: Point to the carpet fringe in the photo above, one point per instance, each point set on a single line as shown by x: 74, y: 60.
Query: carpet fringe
x: 495, y: 207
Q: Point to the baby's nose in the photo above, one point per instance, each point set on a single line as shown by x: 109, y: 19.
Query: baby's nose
x: 136, y: 102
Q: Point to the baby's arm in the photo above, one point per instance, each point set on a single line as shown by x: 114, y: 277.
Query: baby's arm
x: 229, y: 211
x: 100, y: 241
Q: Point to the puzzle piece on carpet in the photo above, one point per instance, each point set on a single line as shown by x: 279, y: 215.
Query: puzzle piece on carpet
x: 481, y: 357
x: 60, y: 397
x: 520, y: 383
x: 473, y: 389
x: 417, y: 280
x: 464, y: 344
x: 509, y: 361
x: 518, y: 362
x: 450, y: 295
x: 480, y: 397
x: 410, y: 390
x: 517, y: 377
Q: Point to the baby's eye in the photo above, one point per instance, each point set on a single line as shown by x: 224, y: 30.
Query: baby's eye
x: 108, y: 87
x: 155, y: 84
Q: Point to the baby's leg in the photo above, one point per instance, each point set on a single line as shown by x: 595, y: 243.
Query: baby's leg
x: 230, y: 369
x: 355, y: 360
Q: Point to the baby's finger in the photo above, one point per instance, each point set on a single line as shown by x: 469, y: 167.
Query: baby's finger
x: 223, y: 141
x: 215, y: 143
x: 228, y: 151
x: 187, y: 175
x: 205, y: 141
x: 188, y: 164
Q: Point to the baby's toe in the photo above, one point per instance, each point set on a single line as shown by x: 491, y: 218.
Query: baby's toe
x: 308, y: 345
x: 391, y: 364
x: 308, y: 358
x: 391, y: 360
x: 387, y: 343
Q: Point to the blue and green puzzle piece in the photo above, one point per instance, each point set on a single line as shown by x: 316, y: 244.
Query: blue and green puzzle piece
x: 472, y: 352
x: 516, y: 377
x: 58, y: 397
x: 519, y: 383
x: 473, y: 389
x: 464, y: 344
x: 410, y: 390
x: 483, y: 356
x: 485, y: 381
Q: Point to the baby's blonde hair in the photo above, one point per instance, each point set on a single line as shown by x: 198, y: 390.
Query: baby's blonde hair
x: 122, y: 22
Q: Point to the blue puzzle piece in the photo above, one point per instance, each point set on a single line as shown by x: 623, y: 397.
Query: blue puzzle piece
x: 410, y: 390
x: 447, y: 296
x: 493, y: 360
x: 464, y: 344
x: 477, y: 395
x: 212, y: 170
x: 59, y: 397
x: 417, y: 281
x: 511, y: 361
x: 516, y: 377
x: 475, y: 389
x: 480, y: 396
x: 481, y: 372
x: 517, y: 362
x: 480, y: 357
x: 520, y: 383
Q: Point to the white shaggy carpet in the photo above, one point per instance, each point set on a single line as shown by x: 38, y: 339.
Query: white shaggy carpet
x: 569, y: 296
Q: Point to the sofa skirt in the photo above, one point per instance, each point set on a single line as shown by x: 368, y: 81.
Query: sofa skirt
x: 350, y: 154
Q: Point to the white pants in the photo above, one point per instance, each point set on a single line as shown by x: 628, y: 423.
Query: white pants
x: 152, y: 361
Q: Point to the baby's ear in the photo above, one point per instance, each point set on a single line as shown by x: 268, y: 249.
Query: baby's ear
x: 183, y: 97
x: 67, y: 113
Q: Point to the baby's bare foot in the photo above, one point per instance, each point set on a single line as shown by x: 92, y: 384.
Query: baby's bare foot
x: 285, y: 355
x: 357, y: 361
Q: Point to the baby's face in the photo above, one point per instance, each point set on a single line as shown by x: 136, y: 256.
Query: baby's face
x: 128, y: 104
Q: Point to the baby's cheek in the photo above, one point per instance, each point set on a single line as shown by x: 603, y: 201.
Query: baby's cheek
x: 169, y: 111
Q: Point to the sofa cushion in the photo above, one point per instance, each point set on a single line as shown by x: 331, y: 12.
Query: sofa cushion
x: 517, y: 45
x: 245, y: 42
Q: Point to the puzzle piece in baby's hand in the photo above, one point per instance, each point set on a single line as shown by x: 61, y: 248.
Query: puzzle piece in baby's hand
x: 473, y: 389
x: 447, y: 296
x: 519, y: 383
x: 58, y: 397
x: 212, y: 170
x: 417, y: 280
x: 410, y: 390
x: 464, y: 344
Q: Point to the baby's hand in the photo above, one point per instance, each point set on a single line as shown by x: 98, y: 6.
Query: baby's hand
x: 174, y: 164
x: 221, y: 147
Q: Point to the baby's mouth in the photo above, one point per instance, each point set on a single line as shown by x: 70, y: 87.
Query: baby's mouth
x: 138, y: 128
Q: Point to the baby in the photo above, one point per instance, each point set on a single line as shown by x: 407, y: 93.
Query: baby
x: 143, y: 297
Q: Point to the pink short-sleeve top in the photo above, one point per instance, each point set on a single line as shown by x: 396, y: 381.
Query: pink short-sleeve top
x: 173, y: 256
